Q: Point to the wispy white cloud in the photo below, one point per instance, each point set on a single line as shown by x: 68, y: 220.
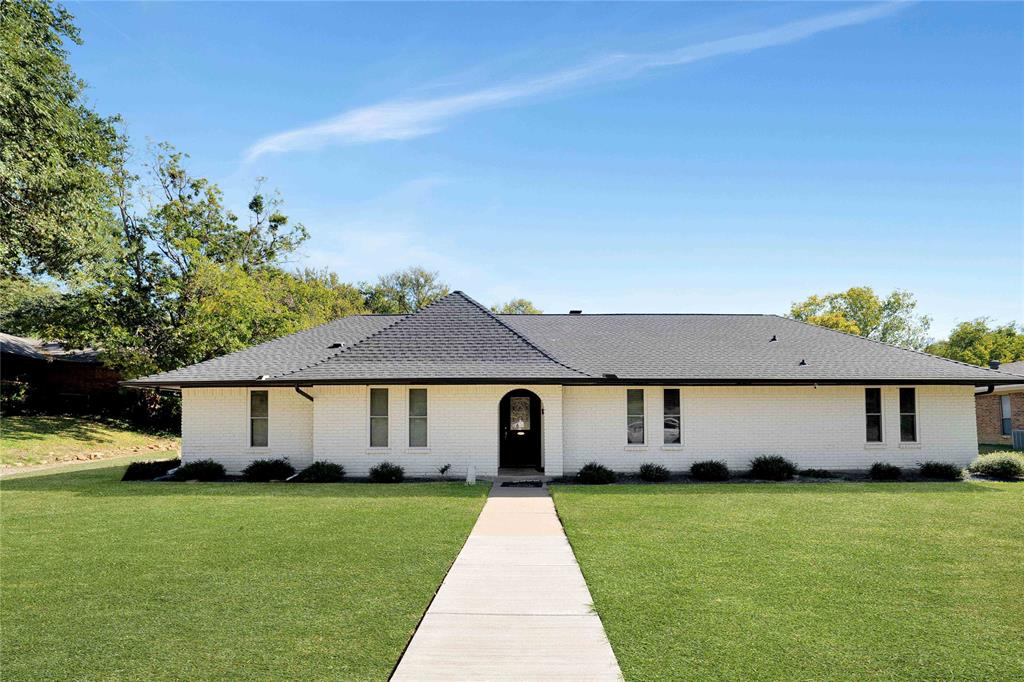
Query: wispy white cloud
x: 402, y: 119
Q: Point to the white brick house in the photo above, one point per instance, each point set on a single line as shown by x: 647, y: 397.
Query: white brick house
x: 455, y: 384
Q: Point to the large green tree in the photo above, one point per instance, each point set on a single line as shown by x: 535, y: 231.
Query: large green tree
x: 403, y: 291
x: 977, y: 343
x: 860, y: 311
x: 516, y: 306
x: 56, y: 153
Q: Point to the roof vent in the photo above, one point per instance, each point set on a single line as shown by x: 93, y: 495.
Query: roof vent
x: 609, y: 375
x: 772, y: 339
x: 336, y: 345
x: 993, y: 364
x: 575, y: 312
x: 803, y: 363
x: 263, y: 377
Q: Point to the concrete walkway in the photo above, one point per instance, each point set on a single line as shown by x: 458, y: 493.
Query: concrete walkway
x: 514, y: 605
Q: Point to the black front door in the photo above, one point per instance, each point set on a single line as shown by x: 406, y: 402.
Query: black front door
x: 519, y: 429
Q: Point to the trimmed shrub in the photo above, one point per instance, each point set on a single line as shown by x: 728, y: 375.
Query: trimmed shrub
x: 655, y: 473
x: 710, y: 470
x: 1004, y: 465
x: 321, y: 472
x: 817, y: 473
x: 147, y: 471
x: 772, y: 468
x: 593, y: 473
x: 944, y: 471
x: 200, y: 470
x: 883, y: 471
x: 386, y: 472
x: 262, y: 470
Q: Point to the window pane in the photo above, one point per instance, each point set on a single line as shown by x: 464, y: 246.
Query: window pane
x: 378, y: 432
x: 635, y: 431
x: 519, y: 413
x: 258, y: 404
x: 908, y: 403
x: 874, y: 432
x: 1007, y: 429
x: 258, y: 434
x: 634, y: 401
x: 418, y: 432
x: 908, y: 428
x: 673, y: 435
x: 873, y: 400
x: 671, y: 401
x: 379, y: 402
x: 1004, y: 404
x: 417, y: 402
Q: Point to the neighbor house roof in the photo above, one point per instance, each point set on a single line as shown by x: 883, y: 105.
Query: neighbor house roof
x: 458, y: 340
x: 46, y: 351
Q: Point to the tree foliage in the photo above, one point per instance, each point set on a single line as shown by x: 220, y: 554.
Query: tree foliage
x: 516, y: 306
x: 56, y: 154
x: 403, y: 291
x: 860, y: 311
x: 977, y: 343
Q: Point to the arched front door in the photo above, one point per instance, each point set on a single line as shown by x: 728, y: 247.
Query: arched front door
x: 519, y: 429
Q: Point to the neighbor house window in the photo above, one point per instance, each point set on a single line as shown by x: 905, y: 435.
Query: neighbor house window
x: 673, y: 432
x: 635, y: 416
x: 259, y: 419
x: 378, y: 417
x: 873, y: 414
x: 908, y: 415
x: 1004, y: 404
x: 417, y: 417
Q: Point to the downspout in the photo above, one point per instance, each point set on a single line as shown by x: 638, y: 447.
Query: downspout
x: 298, y: 389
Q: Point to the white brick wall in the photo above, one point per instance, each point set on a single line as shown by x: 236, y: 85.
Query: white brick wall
x: 816, y: 427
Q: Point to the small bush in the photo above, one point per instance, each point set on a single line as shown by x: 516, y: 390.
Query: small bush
x: 595, y: 474
x: 262, y: 470
x: 883, y: 471
x: 711, y: 470
x: 1005, y: 465
x: 772, y: 468
x: 944, y: 471
x: 147, y: 471
x: 321, y: 472
x: 444, y: 469
x: 817, y: 473
x: 655, y: 473
x: 200, y: 470
x: 386, y: 472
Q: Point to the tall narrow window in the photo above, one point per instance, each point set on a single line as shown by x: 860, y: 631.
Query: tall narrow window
x: 1004, y: 406
x: 873, y: 413
x: 673, y: 425
x: 417, y: 417
x: 259, y: 419
x: 378, y: 417
x: 635, y: 416
x: 908, y: 415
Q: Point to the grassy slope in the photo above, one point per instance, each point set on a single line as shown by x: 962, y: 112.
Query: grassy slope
x: 33, y: 440
x: 831, y: 581
x: 110, y: 580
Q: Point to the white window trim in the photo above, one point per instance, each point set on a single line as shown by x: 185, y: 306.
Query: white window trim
x: 248, y: 421
x: 682, y: 430
x: 370, y: 449
x: 868, y: 444
x: 910, y: 444
x: 647, y: 419
x: 422, y: 449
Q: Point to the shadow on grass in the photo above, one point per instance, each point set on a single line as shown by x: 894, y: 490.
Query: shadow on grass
x: 816, y: 488
x: 92, y: 429
x: 105, y: 481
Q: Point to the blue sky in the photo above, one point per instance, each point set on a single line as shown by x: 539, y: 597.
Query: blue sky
x: 611, y: 157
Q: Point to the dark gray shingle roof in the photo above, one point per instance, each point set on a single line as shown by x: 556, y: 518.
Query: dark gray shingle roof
x: 459, y: 340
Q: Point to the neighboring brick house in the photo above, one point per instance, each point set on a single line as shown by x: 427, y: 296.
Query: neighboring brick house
x: 1001, y: 411
x: 56, y: 377
x: 456, y: 384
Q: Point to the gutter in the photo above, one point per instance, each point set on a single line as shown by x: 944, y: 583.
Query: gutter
x: 988, y: 389
x: 298, y: 389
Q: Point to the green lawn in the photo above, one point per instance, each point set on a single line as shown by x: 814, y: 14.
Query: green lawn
x: 35, y: 440
x: 108, y: 580
x: 839, y: 581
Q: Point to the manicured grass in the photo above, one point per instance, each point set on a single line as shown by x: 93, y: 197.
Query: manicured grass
x: 841, y: 581
x: 169, y: 581
x: 35, y: 440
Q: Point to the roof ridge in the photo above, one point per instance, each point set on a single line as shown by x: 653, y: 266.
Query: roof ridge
x: 519, y: 336
x: 893, y: 345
